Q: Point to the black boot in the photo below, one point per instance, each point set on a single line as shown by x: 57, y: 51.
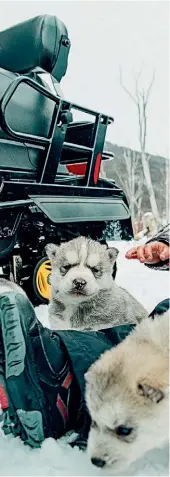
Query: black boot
x: 36, y: 385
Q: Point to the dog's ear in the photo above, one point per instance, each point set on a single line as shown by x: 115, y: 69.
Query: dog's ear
x: 153, y: 393
x: 113, y: 253
x: 51, y: 250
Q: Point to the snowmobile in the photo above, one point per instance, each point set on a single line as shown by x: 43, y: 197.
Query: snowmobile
x: 51, y: 187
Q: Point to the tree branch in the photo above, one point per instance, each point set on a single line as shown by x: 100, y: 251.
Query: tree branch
x: 124, y: 87
x: 150, y: 87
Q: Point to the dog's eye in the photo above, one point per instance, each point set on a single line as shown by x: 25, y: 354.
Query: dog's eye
x: 65, y: 268
x: 96, y: 270
x: 123, y: 431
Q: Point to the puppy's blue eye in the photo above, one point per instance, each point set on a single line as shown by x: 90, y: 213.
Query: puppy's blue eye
x: 123, y: 431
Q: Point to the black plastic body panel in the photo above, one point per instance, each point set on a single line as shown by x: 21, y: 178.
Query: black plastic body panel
x: 72, y: 209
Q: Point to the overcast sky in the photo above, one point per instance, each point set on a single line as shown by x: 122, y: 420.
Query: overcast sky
x: 104, y: 36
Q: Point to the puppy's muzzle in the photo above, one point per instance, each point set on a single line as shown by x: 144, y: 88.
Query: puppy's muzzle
x: 79, y: 284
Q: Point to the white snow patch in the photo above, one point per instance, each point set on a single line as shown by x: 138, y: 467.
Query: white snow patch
x: 57, y: 458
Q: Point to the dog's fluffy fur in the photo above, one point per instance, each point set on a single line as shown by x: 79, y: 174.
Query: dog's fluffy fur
x: 128, y: 386
x: 100, y: 303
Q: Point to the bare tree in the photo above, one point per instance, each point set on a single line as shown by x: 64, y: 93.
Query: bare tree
x: 140, y: 99
x: 133, y: 184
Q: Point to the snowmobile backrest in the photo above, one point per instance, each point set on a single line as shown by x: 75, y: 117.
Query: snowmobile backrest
x: 41, y: 42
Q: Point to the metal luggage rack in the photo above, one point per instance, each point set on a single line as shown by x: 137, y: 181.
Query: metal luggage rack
x: 55, y: 143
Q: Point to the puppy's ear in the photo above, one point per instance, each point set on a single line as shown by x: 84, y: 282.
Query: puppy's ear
x: 113, y: 253
x: 153, y: 393
x: 51, y: 250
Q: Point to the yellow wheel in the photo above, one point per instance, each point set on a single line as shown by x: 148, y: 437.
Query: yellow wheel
x: 41, y: 279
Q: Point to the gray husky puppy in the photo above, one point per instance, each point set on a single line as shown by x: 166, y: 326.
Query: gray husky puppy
x: 84, y: 295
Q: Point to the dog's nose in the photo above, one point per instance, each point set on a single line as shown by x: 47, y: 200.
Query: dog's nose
x: 79, y: 283
x: 98, y: 462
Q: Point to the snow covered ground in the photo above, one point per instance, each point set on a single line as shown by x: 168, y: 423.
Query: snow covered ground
x: 57, y: 458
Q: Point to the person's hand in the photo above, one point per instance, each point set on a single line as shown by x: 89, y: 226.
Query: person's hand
x: 153, y: 252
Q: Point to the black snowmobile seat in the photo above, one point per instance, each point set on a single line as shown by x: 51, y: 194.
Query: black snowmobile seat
x: 38, y: 45
x: 39, y: 42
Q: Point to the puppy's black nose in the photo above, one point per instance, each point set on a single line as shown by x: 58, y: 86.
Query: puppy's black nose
x: 79, y: 283
x: 98, y: 462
